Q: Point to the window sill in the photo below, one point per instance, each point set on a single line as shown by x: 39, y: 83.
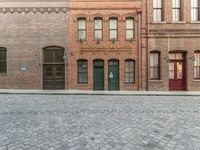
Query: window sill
x: 196, y: 80
x: 3, y: 74
x: 159, y: 22
x: 195, y: 22
x: 178, y: 22
x: 129, y: 84
x: 156, y: 80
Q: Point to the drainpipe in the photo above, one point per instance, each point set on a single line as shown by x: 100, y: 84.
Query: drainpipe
x: 139, y: 49
x: 147, y: 41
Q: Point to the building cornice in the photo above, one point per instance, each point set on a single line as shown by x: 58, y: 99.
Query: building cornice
x: 33, y: 7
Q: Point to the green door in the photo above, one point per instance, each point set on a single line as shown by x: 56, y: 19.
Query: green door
x: 98, y: 75
x: 113, y: 75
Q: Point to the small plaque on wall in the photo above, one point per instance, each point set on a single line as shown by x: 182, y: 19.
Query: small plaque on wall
x: 23, y: 68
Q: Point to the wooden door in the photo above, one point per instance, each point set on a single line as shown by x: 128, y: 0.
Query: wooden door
x: 53, y: 68
x: 177, y: 72
x: 98, y: 75
x: 113, y: 75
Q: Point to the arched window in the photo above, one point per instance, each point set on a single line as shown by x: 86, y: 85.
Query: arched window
x: 81, y: 24
x: 98, y: 28
x: 129, y: 74
x: 3, y: 60
x: 53, y: 54
x: 155, y: 65
x: 82, y: 71
x: 113, y: 28
x: 197, y: 65
x: 130, y: 28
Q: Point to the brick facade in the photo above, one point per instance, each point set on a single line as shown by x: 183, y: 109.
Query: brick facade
x: 28, y: 27
x: 106, y: 49
x: 169, y: 36
x: 24, y: 33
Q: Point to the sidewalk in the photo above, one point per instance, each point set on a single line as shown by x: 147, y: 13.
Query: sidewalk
x: 120, y: 93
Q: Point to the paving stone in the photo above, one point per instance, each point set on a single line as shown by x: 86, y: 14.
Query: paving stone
x: 89, y: 122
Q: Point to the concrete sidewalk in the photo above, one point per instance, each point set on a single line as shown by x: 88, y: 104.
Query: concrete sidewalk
x: 120, y: 93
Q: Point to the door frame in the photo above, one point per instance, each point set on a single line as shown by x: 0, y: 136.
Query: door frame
x: 99, y: 60
x: 118, y: 73
x: 52, y: 63
x: 184, y: 61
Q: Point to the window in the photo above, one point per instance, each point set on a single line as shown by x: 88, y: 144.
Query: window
x: 82, y: 72
x: 81, y: 29
x: 197, y: 65
x: 3, y: 60
x: 129, y: 71
x: 129, y: 28
x: 176, y: 10
x: 113, y: 28
x: 194, y: 10
x: 53, y: 54
x: 98, y: 28
x: 155, y: 65
x: 157, y: 10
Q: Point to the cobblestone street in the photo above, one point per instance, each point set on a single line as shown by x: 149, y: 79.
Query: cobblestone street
x: 72, y: 122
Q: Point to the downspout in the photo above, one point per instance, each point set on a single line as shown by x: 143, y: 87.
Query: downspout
x: 139, y: 49
x: 147, y: 42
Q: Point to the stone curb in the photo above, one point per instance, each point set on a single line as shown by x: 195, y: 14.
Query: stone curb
x: 103, y: 93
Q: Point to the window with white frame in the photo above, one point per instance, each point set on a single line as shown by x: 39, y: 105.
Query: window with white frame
x: 176, y: 10
x: 81, y: 29
x: 129, y: 74
x: 154, y: 65
x: 130, y: 28
x: 98, y: 28
x: 197, y: 65
x: 194, y: 10
x: 157, y: 11
x: 113, y: 28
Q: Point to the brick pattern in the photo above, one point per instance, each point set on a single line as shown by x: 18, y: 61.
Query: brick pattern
x: 168, y: 36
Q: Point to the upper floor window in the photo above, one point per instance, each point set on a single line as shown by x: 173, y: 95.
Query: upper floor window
x: 155, y: 65
x: 176, y: 10
x: 194, y: 10
x: 129, y: 73
x: 3, y: 58
x: 113, y: 28
x: 98, y: 28
x: 197, y: 65
x: 81, y: 29
x: 157, y: 10
x: 82, y: 71
x: 130, y: 28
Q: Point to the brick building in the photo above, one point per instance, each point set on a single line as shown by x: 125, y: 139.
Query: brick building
x: 104, y: 45
x: 170, y: 45
x: 29, y: 31
x: 100, y: 45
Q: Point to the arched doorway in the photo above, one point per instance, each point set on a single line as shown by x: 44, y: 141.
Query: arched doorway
x: 177, y: 71
x: 113, y: 74
x: 98, y: 74
x: 53, y: 68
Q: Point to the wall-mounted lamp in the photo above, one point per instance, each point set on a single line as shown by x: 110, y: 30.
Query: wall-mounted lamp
x: 97, y: 40
x: 166, y: 59
x: 113, y: 40
x: 81, y: 41
x: 192, y: 58
x: 131, y: 40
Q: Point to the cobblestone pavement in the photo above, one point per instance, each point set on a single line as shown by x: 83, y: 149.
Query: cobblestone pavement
x: 55, y: 122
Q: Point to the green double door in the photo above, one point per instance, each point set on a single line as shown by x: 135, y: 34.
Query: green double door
x: 113, y: 75
x: 98, y: 75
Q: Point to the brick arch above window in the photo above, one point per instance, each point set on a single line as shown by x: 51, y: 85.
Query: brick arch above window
x: 76, y: 17
x: 114, y: 15
x: 98, y: 15
x: 129, y: 15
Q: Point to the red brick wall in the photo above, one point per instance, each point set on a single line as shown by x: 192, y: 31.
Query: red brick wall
x: 105, y: 11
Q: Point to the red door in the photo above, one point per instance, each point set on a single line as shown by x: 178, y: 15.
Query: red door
x: 177, y: 72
